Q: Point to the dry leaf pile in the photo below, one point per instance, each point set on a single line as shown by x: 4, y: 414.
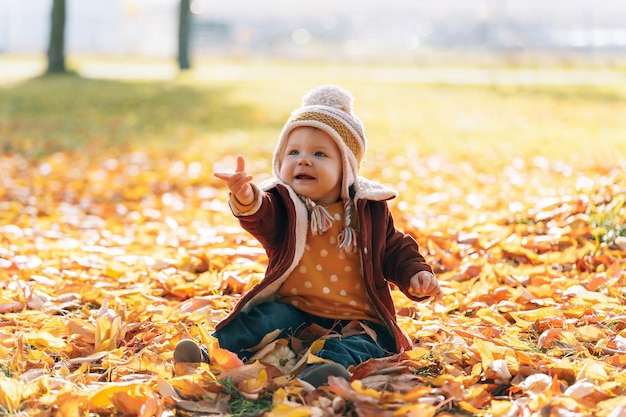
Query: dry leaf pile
x: 106, y: 263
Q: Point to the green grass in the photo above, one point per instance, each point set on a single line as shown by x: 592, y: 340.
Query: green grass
x: 607, y: 220
x: 244, y: 407
x: 485, y: 124
x: 62, y: 112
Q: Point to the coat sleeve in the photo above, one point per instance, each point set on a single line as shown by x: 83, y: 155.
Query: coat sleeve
x: 266, y: 221
x: 402, y: 258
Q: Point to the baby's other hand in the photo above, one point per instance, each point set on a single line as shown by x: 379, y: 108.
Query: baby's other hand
x: 239, y: 182
x: 424, y: 284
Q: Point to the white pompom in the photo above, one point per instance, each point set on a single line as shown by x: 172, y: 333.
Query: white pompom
x: 331, y: 96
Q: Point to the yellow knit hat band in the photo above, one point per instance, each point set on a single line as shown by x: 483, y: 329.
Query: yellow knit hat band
x: 345, y: 126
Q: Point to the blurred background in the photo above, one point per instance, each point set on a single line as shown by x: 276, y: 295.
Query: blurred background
x: 454, y: 76
x: 564, y: 32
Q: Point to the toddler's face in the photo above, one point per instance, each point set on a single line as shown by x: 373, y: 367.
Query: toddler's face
x: 311, y: 165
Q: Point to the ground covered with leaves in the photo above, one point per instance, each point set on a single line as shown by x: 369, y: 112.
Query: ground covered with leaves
x: 107, y: 261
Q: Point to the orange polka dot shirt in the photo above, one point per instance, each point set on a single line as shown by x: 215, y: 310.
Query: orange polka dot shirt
x: 328, y: 283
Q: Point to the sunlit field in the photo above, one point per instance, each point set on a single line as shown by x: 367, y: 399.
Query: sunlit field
x: 553, y: 133
x: 116, y: 242
x: 582, y: 124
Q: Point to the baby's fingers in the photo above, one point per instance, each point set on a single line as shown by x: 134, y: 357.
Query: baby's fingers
x: 241, y: 164
x: 239, y: 182
x: 235, y: 181
x: 241, y: 168
x: 437, y: 293
x: 426, y: 285
x: 430, y: 283
x: 223, y: 175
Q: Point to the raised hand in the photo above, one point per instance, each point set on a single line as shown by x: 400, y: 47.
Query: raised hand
x: 239, y: 182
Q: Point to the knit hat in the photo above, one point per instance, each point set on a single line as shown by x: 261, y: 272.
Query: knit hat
x: 329, y: 108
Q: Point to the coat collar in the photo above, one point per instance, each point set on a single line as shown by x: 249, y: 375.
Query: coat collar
x: 365, y: 189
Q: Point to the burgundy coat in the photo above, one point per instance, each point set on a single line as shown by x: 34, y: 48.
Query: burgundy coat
x: 279, y: 220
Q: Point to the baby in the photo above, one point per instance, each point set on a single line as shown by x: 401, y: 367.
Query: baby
x: 331, y: 243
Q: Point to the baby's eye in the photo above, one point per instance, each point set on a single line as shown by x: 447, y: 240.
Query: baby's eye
x: 292, y: 152
x: 320, y: 153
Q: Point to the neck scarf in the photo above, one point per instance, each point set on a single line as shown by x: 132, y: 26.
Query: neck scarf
x: 321, y: 220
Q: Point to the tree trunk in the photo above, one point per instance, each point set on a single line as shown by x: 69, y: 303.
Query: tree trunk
x: 184, y: 28
x: 56, y: 45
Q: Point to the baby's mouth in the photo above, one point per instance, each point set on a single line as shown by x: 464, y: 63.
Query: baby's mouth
x: 304, y: 177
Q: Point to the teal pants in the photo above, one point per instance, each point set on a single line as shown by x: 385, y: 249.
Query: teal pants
x: 248, y: 329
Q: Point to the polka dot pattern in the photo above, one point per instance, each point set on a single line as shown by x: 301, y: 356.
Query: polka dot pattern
x: 326, y: 282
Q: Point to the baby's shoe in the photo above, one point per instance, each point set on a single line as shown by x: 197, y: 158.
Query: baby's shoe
x: 317, y: 374
x: 188, y: 351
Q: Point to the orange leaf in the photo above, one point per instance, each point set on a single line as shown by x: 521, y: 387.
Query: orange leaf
x: 616, y: 360
x: 224, y: 359
x: 153, y: 407
x: 547, y: 338
x: 72, y: 404
x: 255, y: 384
x: 125, y: 397
x: 353, y: 392
x: 416, y: 393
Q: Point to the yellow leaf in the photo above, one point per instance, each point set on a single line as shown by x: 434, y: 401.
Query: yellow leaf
x: 57, y: 327
x: 44, y: 340
x: 526, y: 318
x: 361, y: 389
x: 284, y: 410
x: 416, y: 410
x: 589, y: 334
x: 442, y: 379
x: 499, y: 408
x: 415, y: 393
x: 418, y: 353
x: 189, y: 386
x: 206, y: 338
x: 251, y: 385
x: 115, y: 269
x: 593, y: 371
x: 10, y: 394
x: 466, y: 406
x: 317, y: 345
x: 485, y: 350
x: 108, y: 333
x: 492, y: 316
x: 617, y: 405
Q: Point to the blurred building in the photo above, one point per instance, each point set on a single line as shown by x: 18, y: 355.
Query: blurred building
x: 325, y: 29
